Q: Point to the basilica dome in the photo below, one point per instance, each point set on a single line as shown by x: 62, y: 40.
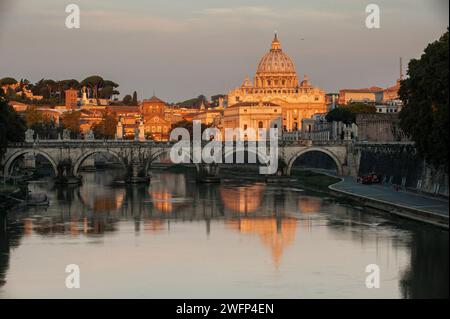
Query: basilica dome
x: 276, y: 69
x: 276, y: 61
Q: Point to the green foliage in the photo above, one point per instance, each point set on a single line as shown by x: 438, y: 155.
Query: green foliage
x: 43, y: 126
x: 127, y: 100
x: 135, y: 101
x: 94, y: 82
x: 314, y: 180
x: 71, y: 122
x: 106, y: 129
x: 425, y: 115
x: 341, y: 114
x: 53, y: 92
x: 195, y: 102
x: 347, y: 114
x: 12, y: 126
x: 361, y: 108
x: 215, y: 99
x: 8, y: 81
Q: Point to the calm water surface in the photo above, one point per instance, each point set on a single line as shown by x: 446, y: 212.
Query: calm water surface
x: 179, y: 239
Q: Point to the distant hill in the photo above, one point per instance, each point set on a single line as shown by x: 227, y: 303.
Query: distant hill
x: 194, y: 103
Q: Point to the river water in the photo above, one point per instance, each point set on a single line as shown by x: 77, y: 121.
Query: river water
x: 179, y: 239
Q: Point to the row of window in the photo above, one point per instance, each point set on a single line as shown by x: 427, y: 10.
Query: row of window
x: 159, y: 129
x: 388, y: 110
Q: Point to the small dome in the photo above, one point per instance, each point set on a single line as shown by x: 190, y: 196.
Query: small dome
x: 247, y: 83
x: 305, y: 82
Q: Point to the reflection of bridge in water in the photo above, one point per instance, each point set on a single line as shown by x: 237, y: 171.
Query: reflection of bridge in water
x: 278, y: 225
x: 92, y: 210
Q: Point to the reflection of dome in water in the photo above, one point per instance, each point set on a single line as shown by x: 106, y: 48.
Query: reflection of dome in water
x: 242, y: 199
x: 168, y: 193
x: 162, y: 201
x: 274, y: 234
x: 308, y: 205
x: 102, y: 200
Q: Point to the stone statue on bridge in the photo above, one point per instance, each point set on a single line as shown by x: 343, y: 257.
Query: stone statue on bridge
x: 66, y: 134
x: 90, y: 135
x: 29, y: 135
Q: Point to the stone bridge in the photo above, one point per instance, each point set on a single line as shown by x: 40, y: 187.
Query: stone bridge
x: 67, y: 156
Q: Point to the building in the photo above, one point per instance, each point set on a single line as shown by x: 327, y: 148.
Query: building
x: 209, y: 116
x: 318, y: 129
x: 155, y: 124
x: 373, y: 95
x: 128, y: 116
x: 379, y: 128
x: 331, y: 99
x: 71, y: 99
x: 255, y: 115
x: 276, y: 84
x: 392, y: 106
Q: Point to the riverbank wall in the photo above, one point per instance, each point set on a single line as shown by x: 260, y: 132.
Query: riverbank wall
x: 400, y: 164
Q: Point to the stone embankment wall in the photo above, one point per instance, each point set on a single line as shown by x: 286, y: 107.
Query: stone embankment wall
x: 400, y: 164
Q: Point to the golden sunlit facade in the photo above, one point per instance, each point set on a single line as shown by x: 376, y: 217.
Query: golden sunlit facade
x: 276, y: 82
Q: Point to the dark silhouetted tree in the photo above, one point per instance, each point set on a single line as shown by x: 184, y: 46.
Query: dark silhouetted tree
x: 425, y: 117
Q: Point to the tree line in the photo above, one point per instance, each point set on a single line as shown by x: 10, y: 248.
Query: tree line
x: 52, y: 91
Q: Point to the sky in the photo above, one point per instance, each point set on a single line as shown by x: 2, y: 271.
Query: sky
x: 180, y: 49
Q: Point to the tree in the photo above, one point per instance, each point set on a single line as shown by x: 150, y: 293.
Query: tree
x: 189, y: 125
x: 195, y: 102
x: 43, y: 126
x: 341, y: 114
x: 361, y: 108
x: 12, y: 126
x: 135, y: 101
x: 425, y: 115
x: 106, y: 128
x: 71, y: 122
x: 127, y: 99
x: 8, y: 81
x: 94, y: 82
x: 347, y: 114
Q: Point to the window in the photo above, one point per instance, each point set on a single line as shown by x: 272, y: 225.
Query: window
x: 245, y: 126
x: 260, y: 124
x: 274, y: 110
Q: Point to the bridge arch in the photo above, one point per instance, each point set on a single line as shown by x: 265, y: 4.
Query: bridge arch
x: 85, y: 155
x: 166, y: 151
x: 258, y: 154
x: 13, y: 157
x: 336, y: 160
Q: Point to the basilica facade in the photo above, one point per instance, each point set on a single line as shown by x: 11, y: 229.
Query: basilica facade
x: 276, y: 87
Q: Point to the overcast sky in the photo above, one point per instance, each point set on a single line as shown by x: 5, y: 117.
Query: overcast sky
x: 183, y: 48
